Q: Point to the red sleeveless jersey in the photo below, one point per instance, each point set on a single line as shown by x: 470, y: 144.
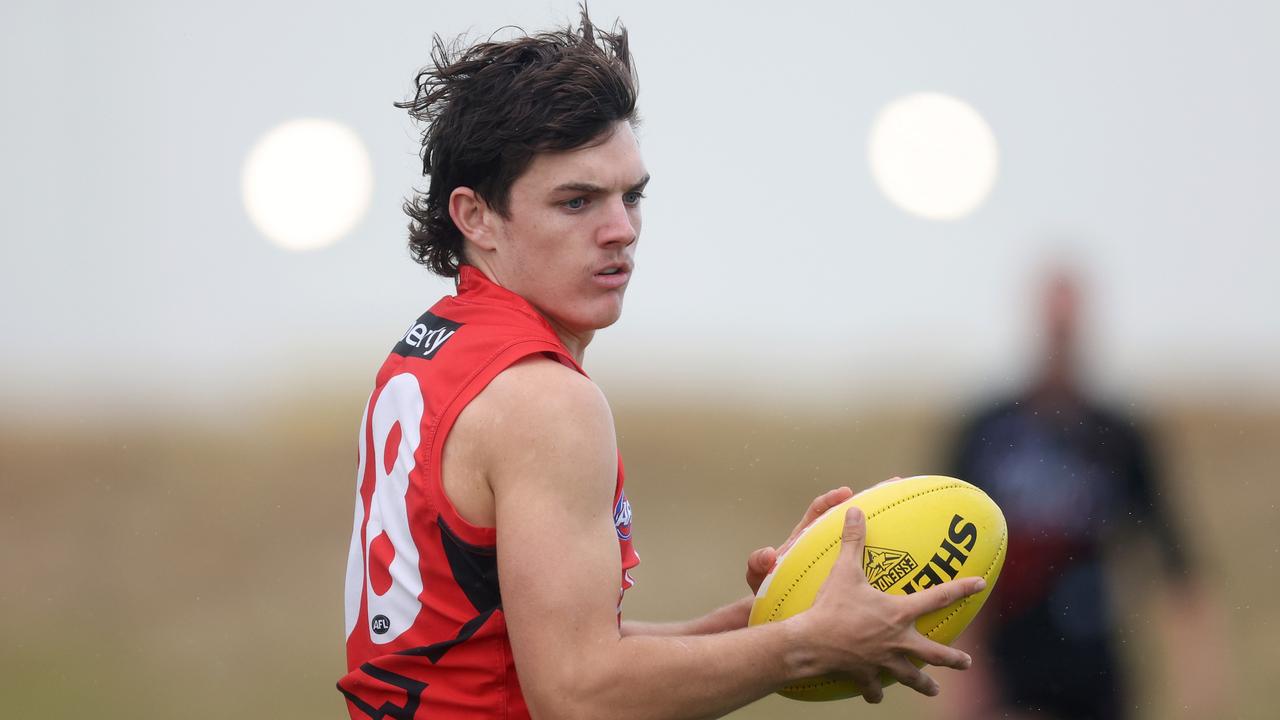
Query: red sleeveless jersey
x: 426, y: 636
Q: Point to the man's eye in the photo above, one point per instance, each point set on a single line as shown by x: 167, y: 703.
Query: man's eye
x: 575, y: 204
x: 633, y: 197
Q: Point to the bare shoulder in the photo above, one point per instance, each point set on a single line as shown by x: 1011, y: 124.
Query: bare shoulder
x: 535, y: 418
x: 538, y: 396
x: 539, y: 386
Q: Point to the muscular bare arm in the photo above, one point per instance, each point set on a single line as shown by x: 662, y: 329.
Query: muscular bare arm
x: 552, y: 467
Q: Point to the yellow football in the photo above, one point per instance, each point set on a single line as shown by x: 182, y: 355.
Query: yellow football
x: 921, y: 531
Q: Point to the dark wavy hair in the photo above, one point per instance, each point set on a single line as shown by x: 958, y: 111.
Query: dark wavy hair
x: 489, y: 108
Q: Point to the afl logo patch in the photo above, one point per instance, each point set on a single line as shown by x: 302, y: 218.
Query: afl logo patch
x: 381, y: 624
x: 622, y: 517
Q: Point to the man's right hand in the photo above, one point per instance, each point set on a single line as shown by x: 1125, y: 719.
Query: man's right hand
x: 859, y: 631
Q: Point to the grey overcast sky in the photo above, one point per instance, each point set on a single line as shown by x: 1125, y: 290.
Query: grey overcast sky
x: 1137, y: 139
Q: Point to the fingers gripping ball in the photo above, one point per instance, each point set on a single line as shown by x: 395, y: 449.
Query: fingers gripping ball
x: 921, y: 532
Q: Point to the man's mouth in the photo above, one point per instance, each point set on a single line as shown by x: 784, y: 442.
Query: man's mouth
x: 614, y: 276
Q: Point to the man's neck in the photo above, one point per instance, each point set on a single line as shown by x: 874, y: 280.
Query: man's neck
x: 575, y: 343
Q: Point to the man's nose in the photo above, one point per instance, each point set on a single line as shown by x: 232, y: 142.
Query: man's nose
x: 619, y: 228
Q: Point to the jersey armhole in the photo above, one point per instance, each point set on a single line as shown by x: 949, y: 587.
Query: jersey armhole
x: 485, y: 373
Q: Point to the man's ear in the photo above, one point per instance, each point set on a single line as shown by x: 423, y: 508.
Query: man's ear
x: 473, y: 217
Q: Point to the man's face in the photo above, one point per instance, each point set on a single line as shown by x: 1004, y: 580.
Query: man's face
x: 568, y: 241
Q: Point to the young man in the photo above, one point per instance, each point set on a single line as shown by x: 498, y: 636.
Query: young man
x: 492, y: 538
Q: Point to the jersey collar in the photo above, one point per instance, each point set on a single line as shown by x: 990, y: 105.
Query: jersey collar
x: 475, y: 286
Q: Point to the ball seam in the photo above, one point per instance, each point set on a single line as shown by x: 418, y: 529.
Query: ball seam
x: 773, y: 613
x: 812, y: 685
x: 1004, y: 536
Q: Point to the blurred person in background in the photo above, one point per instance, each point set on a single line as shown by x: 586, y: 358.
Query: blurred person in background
x: 1078, y: 485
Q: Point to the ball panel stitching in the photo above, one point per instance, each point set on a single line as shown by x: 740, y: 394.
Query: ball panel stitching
x: 773, y: 612
x: 1004, y: 539
x: 803, y: 685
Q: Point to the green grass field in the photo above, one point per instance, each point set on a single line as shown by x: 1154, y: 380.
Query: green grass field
x: 185, y: 569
